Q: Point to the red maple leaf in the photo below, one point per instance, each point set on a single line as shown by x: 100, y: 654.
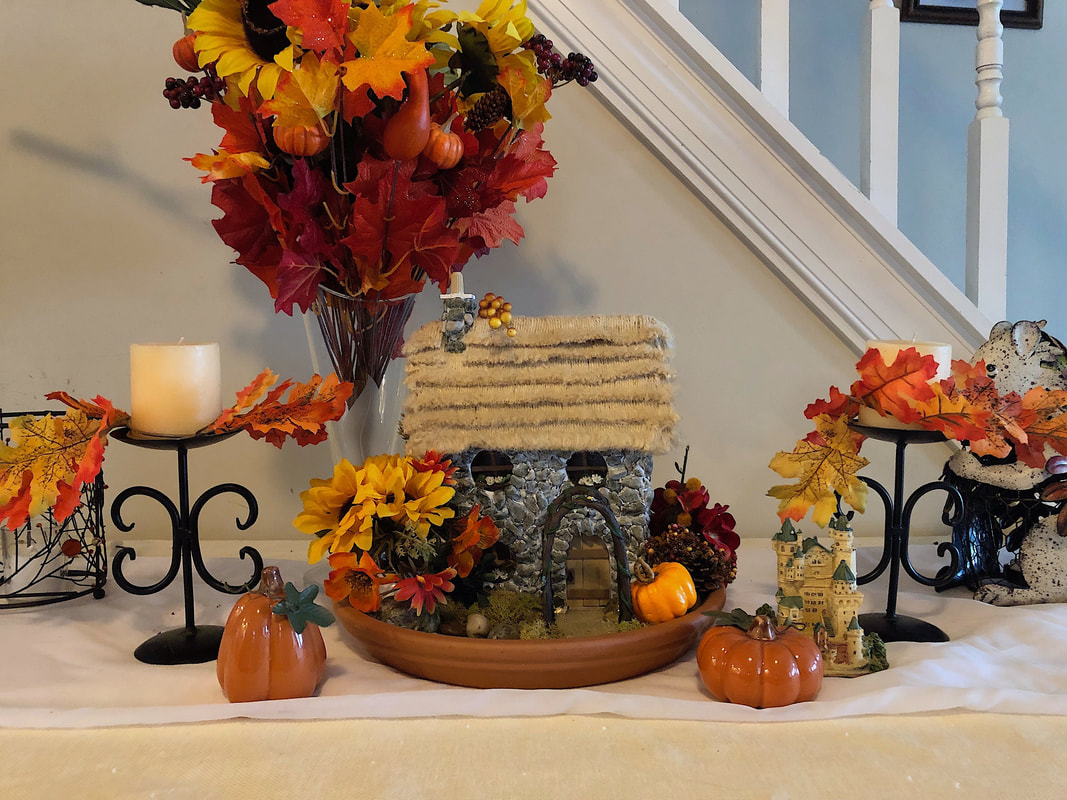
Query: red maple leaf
x: 324, y: 23
x: 837, y: 405
x: 891, y: 389
x: 242, y: 135
x: 1001, y: 418
x: 246, y: 225
x: 525, y: 170
x: 491, y: 227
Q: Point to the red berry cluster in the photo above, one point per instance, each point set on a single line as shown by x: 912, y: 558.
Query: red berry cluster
x: 189, y: 92
x: 575, y: 67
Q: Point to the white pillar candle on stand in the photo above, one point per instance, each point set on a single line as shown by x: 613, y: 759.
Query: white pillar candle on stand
x: 175, y: 389
x: 889, y: 351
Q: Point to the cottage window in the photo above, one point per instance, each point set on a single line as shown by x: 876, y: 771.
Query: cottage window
x: 587, y: 468
x: 491, y: 469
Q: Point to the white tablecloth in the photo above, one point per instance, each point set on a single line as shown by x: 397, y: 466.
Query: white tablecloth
x: 71, y: 665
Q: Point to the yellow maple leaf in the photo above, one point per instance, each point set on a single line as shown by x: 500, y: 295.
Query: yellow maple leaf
x: 44, y: 459
x: 825, y: 464
x: 304, y: 96
x: 385, y: 53
x: 527, y: 89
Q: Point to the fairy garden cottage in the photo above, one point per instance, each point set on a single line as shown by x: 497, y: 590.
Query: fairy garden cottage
x: 569, y: 400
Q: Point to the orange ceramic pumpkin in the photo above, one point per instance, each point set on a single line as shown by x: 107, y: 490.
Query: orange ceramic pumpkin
x: 763, y: 667
x: 185, y: 54
x: 300, y: 141
x: 443, y: 148
x: 262, y: 657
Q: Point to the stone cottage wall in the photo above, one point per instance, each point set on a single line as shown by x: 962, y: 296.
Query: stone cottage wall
x: 518, y: 506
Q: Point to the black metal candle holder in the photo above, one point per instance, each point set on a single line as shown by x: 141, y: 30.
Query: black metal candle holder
x: 66, y: 560
x: 193, y: 644
x: 891, y: 626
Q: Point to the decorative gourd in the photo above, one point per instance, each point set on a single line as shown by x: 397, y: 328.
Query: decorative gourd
x: 408, y: 129
x: 300, y: 141
x: 270, y: 649
x: 762, y: 667
x: 663, y: 592
x: 443, y: 147
x: 185, y: 54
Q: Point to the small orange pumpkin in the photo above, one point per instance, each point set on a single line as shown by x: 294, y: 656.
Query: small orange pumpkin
x: 300, y: 141
x: 263, y: 655
x: 762, y: 667
x: 663, y: 592
x: 185, y: 54
x: 443, y: 148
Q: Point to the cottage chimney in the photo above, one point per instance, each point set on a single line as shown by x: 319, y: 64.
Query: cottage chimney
x: 457, y: 314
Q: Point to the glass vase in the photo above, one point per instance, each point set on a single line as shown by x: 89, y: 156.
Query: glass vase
x: 362, y: 336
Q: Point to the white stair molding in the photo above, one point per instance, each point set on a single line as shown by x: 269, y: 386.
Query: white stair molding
x: 760, y: 175
x: 987, y: 172
x: 880, y: 109
x: 774, y: 53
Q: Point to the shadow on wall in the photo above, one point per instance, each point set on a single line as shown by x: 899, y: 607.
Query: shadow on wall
x: 102, y: 165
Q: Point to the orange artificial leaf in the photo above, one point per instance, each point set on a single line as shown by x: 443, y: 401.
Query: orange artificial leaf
x: 97, y: 408
x: 892, y: 389
x: 222, y: 165
x: 1002, y: 417
x: 305, y: 95
x: 953, y: 414
x: 246, y: 398
x: 837, y: 405
x: 825, y: 463
x: 1046, y: 426
x: 49, y: 460
x: 385, y: 53
x: 302, y: 415
x: 322, y: 23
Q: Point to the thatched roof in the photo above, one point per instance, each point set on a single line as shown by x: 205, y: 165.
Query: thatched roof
x: 563, y: 383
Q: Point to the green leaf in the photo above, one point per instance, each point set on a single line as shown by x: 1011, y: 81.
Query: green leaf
x: 300, y: 608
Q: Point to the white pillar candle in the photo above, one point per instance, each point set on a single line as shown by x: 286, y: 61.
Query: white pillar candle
x: 175, y: 389
x: 889, y: 351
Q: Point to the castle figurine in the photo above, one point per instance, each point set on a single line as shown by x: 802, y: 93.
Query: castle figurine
x: 817, y: 590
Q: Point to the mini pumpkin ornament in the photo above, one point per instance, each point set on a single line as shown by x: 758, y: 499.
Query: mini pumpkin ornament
x: 755, y: 663
x: 300, y: 141
x: 271, y: 647
x: 185, y: 53
x: 443, y: 147
x: 663, y: 592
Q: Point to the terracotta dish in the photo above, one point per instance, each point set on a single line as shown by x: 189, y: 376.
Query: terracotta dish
x: 532, y: 664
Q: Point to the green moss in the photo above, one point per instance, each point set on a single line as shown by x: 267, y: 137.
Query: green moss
x: 630, y: 625
x: 534, y: 630
x: 507, y: 607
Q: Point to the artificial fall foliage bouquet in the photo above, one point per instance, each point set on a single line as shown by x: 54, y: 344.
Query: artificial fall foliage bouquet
x: 966, y: 407
x: 368, y: 146
x: 390, y: 531
x: 684, y: 528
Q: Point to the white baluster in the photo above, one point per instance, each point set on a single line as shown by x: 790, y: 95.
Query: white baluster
x: 987, y: 172
x: 880, y: 107
x: 774, y: 53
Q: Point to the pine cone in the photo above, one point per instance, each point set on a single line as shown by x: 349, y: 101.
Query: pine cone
x: 709, y: 566
x: 489, y: 108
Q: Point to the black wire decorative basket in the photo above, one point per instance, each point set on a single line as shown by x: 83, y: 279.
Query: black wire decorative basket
x: 47, y: 562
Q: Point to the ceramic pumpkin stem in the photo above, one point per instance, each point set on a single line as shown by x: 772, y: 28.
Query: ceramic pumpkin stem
x: 764, y: 629
x: 271, y: 583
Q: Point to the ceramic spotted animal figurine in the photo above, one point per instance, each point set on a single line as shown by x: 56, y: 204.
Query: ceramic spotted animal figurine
x: 1003, y: 504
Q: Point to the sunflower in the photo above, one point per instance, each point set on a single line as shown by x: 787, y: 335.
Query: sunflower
x: 422, y: 503
x: 243, y: 40
x: 504, y: 24
x: 331, y: 514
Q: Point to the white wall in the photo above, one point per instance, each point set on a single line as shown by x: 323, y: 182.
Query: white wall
x: 937, y: 96
x: 105, y: 239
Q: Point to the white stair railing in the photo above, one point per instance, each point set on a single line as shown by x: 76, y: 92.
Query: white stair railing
x: 879, y: 126
x: 987, y: 172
